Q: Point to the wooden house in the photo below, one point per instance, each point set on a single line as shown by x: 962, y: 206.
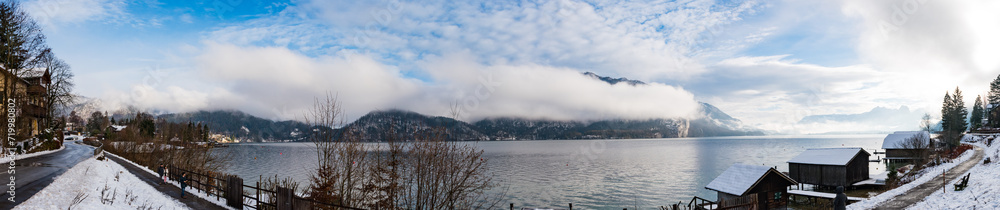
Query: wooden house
x: 899, y: 148
x: 742, y: 186
x: 830, y: 166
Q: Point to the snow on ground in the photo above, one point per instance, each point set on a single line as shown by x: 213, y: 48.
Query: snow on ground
x: 983, y: 191
x: 6, y: 158
x: 201, y: 194
x: 925, y: 175
x: 101, y: 185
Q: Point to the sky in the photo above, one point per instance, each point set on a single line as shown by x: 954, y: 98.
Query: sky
x: 769, y: 63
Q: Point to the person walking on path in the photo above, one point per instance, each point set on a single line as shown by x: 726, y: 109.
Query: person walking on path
x: 159, y: 171
x: 166, y: 174
x: 183, y: 182
x: 840, y: 202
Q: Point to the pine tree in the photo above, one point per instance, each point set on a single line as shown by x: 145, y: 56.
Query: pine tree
x: 977, y: 114
x: 960, y: 113
x: 994, y: 94
x: 953, y: 118
x: 946, y: 110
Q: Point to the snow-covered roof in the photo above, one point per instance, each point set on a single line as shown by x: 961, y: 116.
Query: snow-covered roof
x: 827, y: 156
x: 740, y: 178
x: 119, y: 127
x: 894, y: 140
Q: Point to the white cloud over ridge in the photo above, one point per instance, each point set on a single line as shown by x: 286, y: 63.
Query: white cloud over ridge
x: 261, y: 78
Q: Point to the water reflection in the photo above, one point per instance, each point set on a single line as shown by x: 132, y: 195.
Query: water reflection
x: 588, y: 173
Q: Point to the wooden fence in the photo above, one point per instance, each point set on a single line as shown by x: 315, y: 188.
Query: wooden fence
x: 233, y: 189
x: 748, y: 202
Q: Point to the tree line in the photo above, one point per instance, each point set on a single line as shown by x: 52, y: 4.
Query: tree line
x: 956, y: 119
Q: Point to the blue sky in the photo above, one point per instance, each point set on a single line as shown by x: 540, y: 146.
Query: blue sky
x: 769, y: 63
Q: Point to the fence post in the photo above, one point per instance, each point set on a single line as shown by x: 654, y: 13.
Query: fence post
x: 234, y: 192
x: 258, y: 194
x: 284, y: 199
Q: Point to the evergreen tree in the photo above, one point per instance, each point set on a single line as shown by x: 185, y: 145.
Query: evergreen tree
x: 960, y: 113
x: 977, y: 114
x: 994, y: 94
x: 953, y: 118
x: 946, y: 110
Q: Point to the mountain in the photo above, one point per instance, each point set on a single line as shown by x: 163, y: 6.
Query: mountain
x: 878, y: 119
x: 407, y: 125
x: 244, y: 126
x: 711, y: 122
x: 613, y: 81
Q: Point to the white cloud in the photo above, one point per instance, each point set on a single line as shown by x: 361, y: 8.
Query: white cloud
x: 635, y: 40
x: 775, y: 93
x: 278, y: 83
x: 51, y: 12
x: 935, y: 45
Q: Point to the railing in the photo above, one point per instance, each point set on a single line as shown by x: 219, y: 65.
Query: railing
x: 99, y: 149
x: 697, y: 202
x: 202, y: 182
x: 233, y: 190
x: 748, y: 202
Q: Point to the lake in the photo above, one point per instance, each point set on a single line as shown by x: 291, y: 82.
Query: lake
x: 591, y: 174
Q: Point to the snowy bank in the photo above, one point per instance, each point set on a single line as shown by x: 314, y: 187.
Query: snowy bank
x: 94, y: 184
x: 983, y: 191
x: 926, y: 174
x: 6, y: 158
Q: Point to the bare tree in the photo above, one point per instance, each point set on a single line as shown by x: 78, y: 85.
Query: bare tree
x: 917, y: 146
x: 59, y: 93
x: 427, y: 173
x: 341, y: 165
x: 925, y: 123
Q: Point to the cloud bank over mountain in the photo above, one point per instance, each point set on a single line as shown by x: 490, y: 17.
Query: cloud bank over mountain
x: 769, y: 63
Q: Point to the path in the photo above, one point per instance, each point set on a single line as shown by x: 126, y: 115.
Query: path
x: 193, y: 202
x: 921, y: 191
x: 35, y: 173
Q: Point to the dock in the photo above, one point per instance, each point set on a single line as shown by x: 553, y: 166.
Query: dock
x: 813, y: 195
x: 877, y: 180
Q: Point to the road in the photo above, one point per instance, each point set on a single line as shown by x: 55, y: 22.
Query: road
x: 34, y: 174
x: 921, y: 191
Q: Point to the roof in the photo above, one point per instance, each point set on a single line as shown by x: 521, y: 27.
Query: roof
x: 740, y: 178
x: 828, y: 156
x: 893, y: 141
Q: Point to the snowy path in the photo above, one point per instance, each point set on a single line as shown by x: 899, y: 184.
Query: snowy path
x: 921, y: 191
x: 35, y: 173
x: 193, y: 202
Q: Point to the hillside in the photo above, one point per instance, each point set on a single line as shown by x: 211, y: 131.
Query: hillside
x: 244, y: 126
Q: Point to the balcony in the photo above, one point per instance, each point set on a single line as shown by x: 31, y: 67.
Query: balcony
x: 35, y: 111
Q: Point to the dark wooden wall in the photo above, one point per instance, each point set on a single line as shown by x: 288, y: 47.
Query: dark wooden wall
x: 831, y: 175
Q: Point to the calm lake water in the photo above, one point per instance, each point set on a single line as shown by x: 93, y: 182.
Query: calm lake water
x: 591, y: 174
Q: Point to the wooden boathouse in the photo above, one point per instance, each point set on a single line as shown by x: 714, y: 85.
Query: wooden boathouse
x: 748, y: 186
x: 830, y: 167
x: 898, y: 149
